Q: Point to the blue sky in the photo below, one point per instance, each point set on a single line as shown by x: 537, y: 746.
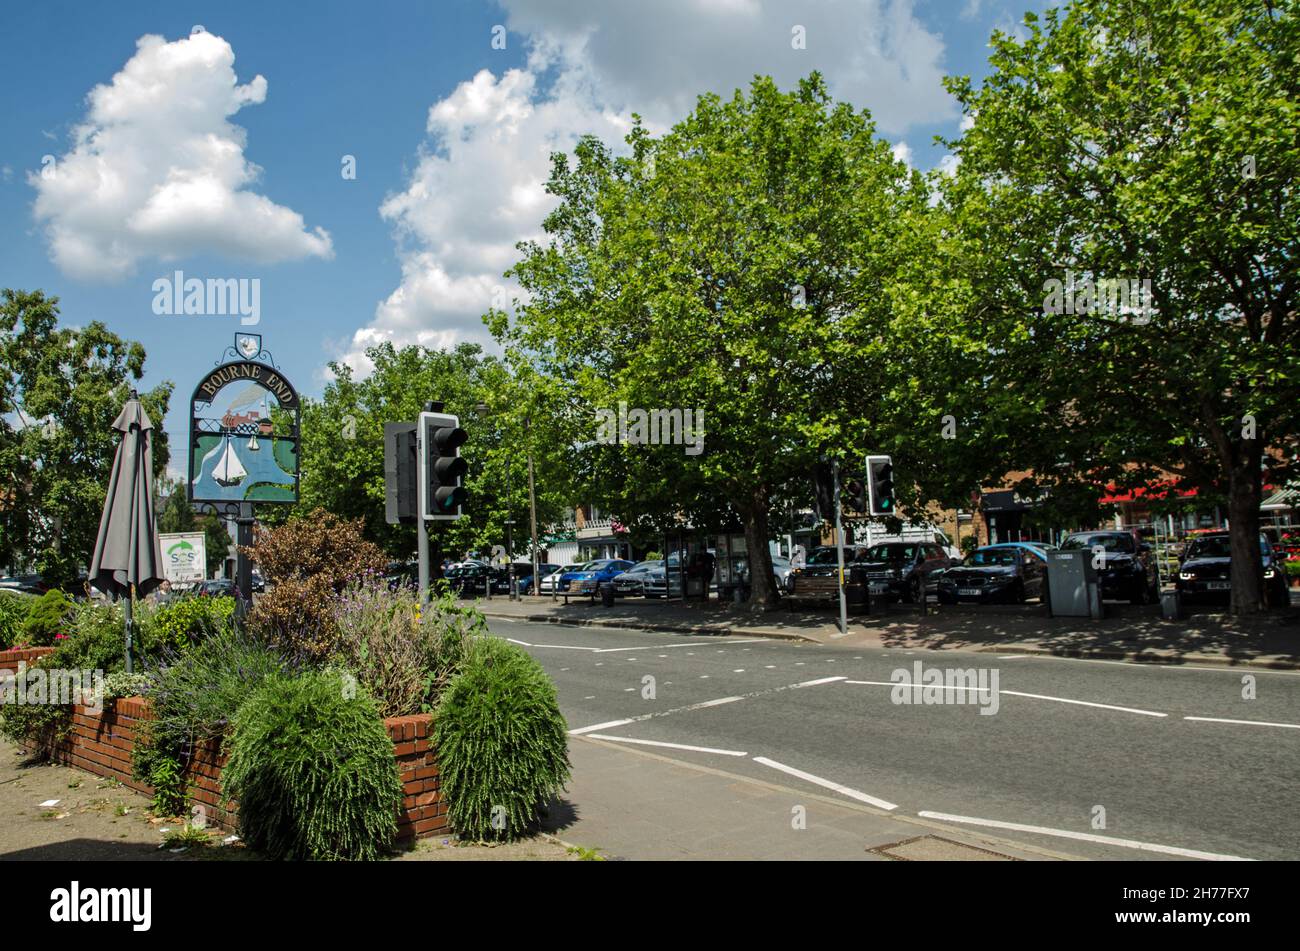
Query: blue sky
x: 220, y: 155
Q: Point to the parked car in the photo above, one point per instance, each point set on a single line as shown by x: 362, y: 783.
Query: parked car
x: 819, y: 577
x: 400, y: 574
x: 1205, y: 571
x: 548, y: 583
x: 217, y: 588
x: 29, y: 584
x: 589, y: 578
x: 1039, y: 550
x: 468, y: 578
x: 524, y: 574
x: 629, y: 583
x: 1008, y: 572
x: 1127, y: 570
x: 665, y: 581
x: 902, y: 570
x: 259, y: 583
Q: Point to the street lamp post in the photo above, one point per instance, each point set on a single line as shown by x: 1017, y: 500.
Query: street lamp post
x: 510, y: 554
x: 532, y: 503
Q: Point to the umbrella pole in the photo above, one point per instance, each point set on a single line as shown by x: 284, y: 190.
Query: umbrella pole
x: 128, y: 613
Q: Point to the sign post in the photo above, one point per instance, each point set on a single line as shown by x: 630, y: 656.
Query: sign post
x: 243, y: 449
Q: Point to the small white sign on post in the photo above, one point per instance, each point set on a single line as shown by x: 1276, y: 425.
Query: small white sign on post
x: 185, y: 557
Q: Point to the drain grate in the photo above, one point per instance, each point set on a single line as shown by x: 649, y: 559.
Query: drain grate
x: 933, y: 848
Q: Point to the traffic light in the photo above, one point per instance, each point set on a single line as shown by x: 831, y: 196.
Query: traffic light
x: 853, y: 496
x: 442, y: 469
x: 880, y: 484
x: 401, y: 473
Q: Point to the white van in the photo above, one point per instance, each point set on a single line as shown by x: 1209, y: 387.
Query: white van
x: 874, y: 533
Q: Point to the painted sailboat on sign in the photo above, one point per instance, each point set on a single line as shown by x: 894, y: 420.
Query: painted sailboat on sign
x: 228, y: 470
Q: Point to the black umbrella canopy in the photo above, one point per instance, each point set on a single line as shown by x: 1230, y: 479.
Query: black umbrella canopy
x: 127, y: 551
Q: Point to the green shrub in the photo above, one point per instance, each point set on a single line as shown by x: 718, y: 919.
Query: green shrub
x: 14, y: 608
x: 1292, y: 568
x: 46, y: 619
x: 199, y: 690
x: 95, y: 642
x: 501, y: 741
x: 312, y: 768
x: 403, y: 653
x: 177, y: 624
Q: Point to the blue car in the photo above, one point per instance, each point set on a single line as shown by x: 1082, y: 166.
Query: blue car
x: 1037, y: 549
x: 589, y: 578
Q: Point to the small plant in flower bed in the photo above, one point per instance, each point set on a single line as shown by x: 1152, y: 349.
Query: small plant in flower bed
x: 312, y: 768
x: 14, y: 608
x: 182, y: 622
x: 501, y: 742
x: 47, y: 618
x: 95, y: 642
x: 404, y: 653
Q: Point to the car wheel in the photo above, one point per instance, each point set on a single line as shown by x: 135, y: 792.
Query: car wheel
x: 1018, y: 593
x: 914, y: 590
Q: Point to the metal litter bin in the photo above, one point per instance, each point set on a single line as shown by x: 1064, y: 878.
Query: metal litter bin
x: 1171, y: 605
x: 1073, y: 588
x: 607, y: 594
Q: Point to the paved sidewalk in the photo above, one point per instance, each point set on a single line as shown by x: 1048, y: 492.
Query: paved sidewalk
x: 1128, y: 632
x: 633, y: 804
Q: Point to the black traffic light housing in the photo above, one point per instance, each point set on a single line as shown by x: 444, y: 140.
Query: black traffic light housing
x: 853, y: 496
x: 443, y: 469
x: 880, y: 483
x: 401, y: 473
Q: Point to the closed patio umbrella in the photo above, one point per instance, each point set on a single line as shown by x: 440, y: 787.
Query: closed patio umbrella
x: 128, y: 556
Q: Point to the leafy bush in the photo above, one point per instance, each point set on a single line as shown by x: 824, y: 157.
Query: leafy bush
x: 310, y: 560
x: 502, y: 743
x: 46, y: 619
x: 14, y: 608
x: 200, y: 689
x: 313, y: 771
x: 179, y: 623
x: 405, y: 656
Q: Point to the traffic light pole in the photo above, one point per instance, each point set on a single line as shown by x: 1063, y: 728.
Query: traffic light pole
x: 839, y: 550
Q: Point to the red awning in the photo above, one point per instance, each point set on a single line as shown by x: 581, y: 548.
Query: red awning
x: 1160, y: 490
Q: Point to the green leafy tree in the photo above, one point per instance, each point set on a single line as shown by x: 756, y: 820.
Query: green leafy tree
x: 343, y: 450
x: 745, y: 264
x: 60, y: 390
x: 1152, y: 142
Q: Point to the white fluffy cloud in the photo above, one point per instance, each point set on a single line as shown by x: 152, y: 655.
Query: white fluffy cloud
x: 478, y: 187
x: 157, y: 171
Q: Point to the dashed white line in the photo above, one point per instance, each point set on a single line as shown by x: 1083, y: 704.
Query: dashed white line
x: 671, y: 746
x: 828, y: 784
x: 1086, y: 837
x: 607, y: 725
x: 1285, y: 726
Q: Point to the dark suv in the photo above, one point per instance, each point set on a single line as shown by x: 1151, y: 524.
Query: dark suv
x: 1205, y: 570
x: 902, y: 570
x: 1125, y: 567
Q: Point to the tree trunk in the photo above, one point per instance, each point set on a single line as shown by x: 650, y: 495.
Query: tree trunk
x: 764, y: 594
x: 1245, y: 492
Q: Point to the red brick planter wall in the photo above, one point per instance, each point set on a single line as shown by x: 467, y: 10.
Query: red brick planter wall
x: 10, y: 659
x: 101, y: 743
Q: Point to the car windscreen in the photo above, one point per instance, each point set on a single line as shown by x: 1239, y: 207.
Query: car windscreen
x: 1218, y: 546
x: 891, y: 553
x: 993, y: 556
x: 1109, y: 542
x: 823, y: 556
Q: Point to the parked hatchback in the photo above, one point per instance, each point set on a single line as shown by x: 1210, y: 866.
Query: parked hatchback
x: 589, y: 578
x: 902, y: 570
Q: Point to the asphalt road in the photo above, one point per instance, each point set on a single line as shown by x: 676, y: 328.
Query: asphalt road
x: 823, y: 717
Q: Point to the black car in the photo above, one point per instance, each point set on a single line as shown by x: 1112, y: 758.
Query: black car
x: 995, y: 574
x: 903, y: 570
x: 1205, y: 570
x: 217, y: 588
x: 1125, y: 568
x: 400, y: 574
x: 29, y: 584
x: 469, y: 578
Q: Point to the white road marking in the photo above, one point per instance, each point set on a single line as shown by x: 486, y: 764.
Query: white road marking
x: 827, y: 784
x: 520, y: 643
x: 1287, y: 726
x: 705, y: 704
x: 672, y: 746
x: 740, y: 670
x: 1010, y: 656
x: 1086, y: 703
x: 1012, y: 693
x: 607, y: 725
x: 1087, y: 837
